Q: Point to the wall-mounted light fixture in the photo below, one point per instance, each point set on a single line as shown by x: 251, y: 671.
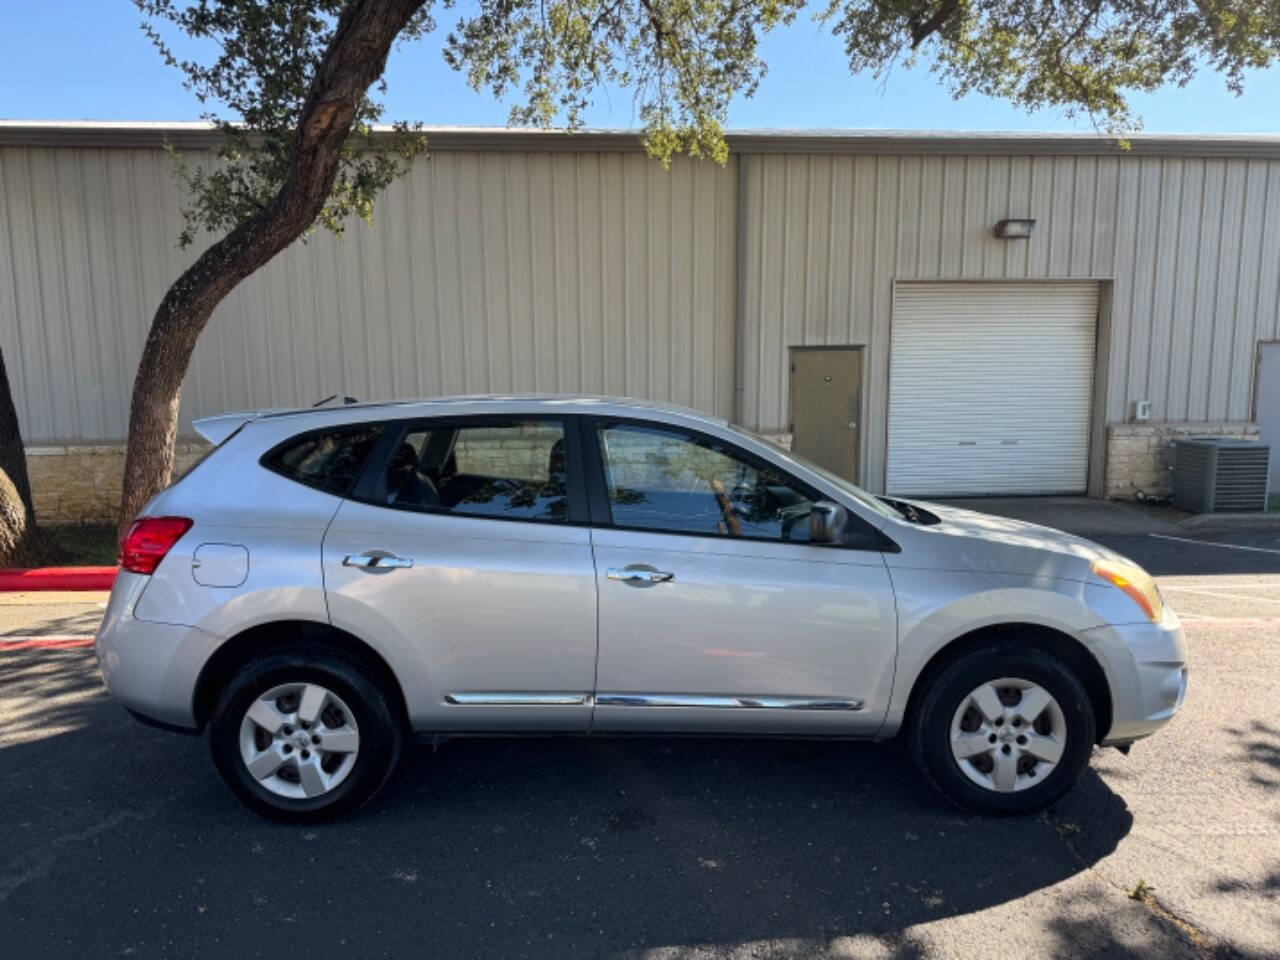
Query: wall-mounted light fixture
x: 1014, y: 229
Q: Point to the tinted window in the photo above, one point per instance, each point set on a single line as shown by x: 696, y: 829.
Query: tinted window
x: 329, y: 460
x: 512, y: 470
x: 667, y: 480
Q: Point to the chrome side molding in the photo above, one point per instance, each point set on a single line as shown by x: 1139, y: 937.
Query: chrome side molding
x: 519, y: 699
x: 647, y: 700
x: 703, y: 700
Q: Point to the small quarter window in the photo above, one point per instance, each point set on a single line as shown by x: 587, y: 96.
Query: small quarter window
x: 329, y: 460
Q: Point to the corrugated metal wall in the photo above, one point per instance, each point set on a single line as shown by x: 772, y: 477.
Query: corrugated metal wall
x: 597, y: 271
x: 549, y: 272
x: 1192, y: 247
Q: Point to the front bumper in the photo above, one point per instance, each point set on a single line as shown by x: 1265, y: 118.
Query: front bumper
x: 150, y: 668
x: 1146, y: 667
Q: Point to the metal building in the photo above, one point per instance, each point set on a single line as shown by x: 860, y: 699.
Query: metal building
x: 846, y: 291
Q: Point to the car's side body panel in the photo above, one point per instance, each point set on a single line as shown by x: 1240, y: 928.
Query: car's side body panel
x: 150, y: 667
x: 1146, y: 667
x: 973, y: 571
x: 937, y: 607
x: 283, y: 581
x: 495, y: 621
x: 235, y: 502
x: 752, y: 621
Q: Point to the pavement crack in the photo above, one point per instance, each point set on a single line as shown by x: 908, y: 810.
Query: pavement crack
x: 1206, y: 946
x: 37, y: 863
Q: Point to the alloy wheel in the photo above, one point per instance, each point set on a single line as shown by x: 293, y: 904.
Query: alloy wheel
x: 1008, y: 735
x: 299, y: 740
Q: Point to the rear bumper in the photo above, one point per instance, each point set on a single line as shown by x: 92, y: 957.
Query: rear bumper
x: 1146, y: 666
x: 150, y: 668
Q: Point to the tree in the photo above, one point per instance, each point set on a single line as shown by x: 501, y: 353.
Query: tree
x: 21, y: 544
x: 294, y: 78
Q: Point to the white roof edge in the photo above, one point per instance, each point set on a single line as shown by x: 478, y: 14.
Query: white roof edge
x: 218, y: 427
x: 196, y: 134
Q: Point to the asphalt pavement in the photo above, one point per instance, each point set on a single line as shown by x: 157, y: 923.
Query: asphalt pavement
x: 119, y: 840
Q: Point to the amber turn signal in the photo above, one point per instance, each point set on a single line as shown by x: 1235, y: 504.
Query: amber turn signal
x: 1134, y: 581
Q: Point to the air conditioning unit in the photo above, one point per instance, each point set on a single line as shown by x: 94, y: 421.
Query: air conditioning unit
x: 1221, y: 475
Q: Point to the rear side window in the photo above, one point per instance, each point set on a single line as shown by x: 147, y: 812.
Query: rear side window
x: 329, y: 460
x: 513, y: 471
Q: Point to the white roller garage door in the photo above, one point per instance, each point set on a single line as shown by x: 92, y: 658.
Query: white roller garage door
x: 990, y: 388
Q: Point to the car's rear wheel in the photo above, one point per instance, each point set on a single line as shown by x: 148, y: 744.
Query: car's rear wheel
x: 1006, y: 729
x: 304, y: 737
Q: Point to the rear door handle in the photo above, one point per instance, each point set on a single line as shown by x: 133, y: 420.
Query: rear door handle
x: 639, y: 575
x: 379, y: 562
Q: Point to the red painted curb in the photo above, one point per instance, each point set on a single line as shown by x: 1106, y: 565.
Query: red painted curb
x: 57, y: 643
x: 57, y: 578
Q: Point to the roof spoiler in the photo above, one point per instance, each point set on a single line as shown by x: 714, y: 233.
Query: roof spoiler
x: 218, y: 428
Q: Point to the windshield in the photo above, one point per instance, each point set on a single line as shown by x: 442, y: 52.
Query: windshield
x: 851, y: 490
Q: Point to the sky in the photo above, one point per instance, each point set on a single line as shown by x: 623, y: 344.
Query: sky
x: 87, y: 60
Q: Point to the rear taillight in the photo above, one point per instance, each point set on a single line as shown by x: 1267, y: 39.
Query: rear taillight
x: 148, y: 540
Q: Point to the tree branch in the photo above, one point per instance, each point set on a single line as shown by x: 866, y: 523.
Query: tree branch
x: 354, y: 59
x: 921, y: 30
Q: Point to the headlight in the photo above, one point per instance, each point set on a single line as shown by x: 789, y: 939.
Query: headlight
x: 1134, y: 581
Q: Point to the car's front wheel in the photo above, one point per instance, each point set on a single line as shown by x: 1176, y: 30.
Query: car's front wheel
x: 304, y: 737
x: 1006, y: 729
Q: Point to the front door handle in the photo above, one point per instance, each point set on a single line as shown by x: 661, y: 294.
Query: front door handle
x: 639, y: 575
x: 376, y: 562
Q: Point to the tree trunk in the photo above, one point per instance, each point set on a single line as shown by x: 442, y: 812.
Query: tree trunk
x: 355, y: 58
x: 20, y: 542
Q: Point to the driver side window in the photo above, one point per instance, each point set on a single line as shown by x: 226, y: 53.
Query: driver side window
x: 665, y: 479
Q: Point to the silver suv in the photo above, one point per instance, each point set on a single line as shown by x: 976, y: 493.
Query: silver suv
x: 327, y: 582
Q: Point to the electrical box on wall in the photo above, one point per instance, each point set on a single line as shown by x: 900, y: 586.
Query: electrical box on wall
x: 1141, y: 411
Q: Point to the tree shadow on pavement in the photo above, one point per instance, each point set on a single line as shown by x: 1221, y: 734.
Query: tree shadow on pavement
x: 121, y: 836
x: 83, y: 624
x: 45, y: 691
x: 1260, y: 747
x: 1258, y: 751
x: 1102, y: 927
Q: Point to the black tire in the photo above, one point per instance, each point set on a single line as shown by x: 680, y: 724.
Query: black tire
x: 929, y: 728
x: 379, y: 727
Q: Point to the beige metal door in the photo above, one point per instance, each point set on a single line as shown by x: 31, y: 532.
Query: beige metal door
x: 826, y: 384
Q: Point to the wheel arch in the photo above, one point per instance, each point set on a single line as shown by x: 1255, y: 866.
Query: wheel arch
x: 1073, y: 654
x: 266, y: 637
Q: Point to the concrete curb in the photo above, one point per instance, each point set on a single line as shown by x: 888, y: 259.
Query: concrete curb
x: 1233, y: 521
x: 57, y: 578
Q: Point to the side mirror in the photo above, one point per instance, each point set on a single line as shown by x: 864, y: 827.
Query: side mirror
x: 827, y: 522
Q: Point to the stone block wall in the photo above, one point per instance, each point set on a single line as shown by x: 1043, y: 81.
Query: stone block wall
x: 1140, y: 455
x: 521, y: 453
x: 81, y: 483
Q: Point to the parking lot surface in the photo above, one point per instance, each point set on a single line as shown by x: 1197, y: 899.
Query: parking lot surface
x: 119, y: 840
